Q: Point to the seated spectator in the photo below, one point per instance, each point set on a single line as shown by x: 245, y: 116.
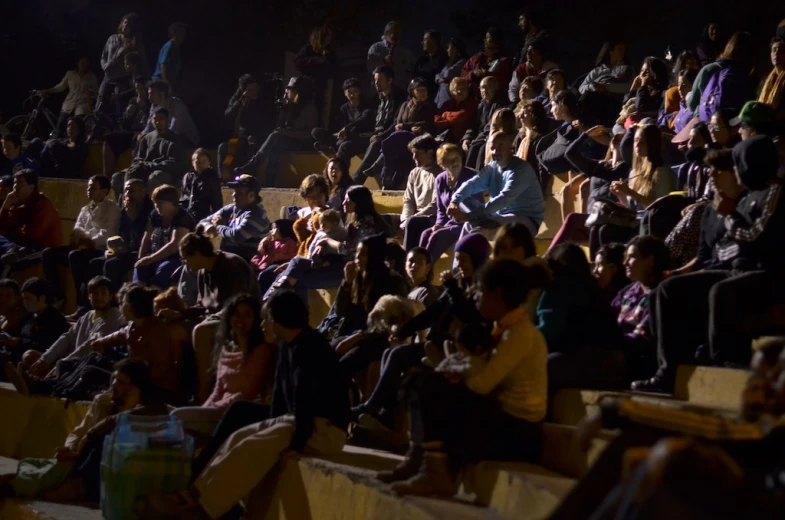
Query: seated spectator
x: 491, y: 61
x: 242, y: 224
x: 415, y: 118
x: 356, y: 122
x: 649, y: 180
x: 604, y: 87
x: 432, y: 60
x: 723, y: 134
x: 148, y: 338
x: 116, y: 79
x: 245, y: 115
x: 710, y: 45
x: 338, y: 179
x: 532, y: 87
x: 97, y: 222
x: 419, y: 274
x: 158, y: 251
x: 74, y: 472
x: 167, y: 66
x: 773, y: 87
x: 219, y: 277
x: 12, y: 309
x: 201, y: 188
x: 453, y: 310
x: 738, y: 284
x: 132, y: 121
x: 686, y: 62
x: 365, y: 281
x: 40, y: 331
x: 390, y: 53
x: 682, y: 118
x: 419, y: 204
x: 646, y: 93
x: 159, y: 158
x: 513, y: 189
x: 456, y: 57
x: 29, y: 222
x: 535, y: 125
x: 578, y: 325
x: 180, y: 121
x: 391, y: 98
x: 122, y: 251
x: 609, y: 270
x: 314, y: 189
x: 474, y: 140
x: 297, y: 119
x: 536, y: 64
x: 277, y: 248
x: 730, y: 75
x: 362, y: 221
x: 104, y: 319
x: 565, y: 108
x: 82, y: 87
x: 456, y: 115
x: 600, y: 174
x: 503, y: 120
x: 555, y: 82
x: 243, y: 365
x: 755, y: 118
x: 506, y: 388
x: 15, y: 160
x: 445, y: 230
x: 62, y: 158
x: 308, y: 375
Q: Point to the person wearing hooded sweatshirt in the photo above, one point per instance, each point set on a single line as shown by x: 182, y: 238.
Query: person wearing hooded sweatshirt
x: 744, y: 277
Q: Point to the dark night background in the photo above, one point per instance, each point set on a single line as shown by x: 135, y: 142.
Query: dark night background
x: 41, y: 39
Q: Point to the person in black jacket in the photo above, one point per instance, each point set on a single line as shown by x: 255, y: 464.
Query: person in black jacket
x: 43, y: 327
x: 318, y: 61
x: 431, y: 61
x: 734, y: 292
x: 357, y: 125
x: 245, y: 116
x: 390, y: 100
x: 474, y: 140
x: 201, y: 189
x: 309, y: 414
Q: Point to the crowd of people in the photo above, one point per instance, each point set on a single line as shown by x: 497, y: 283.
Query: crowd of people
x: 674, y: 185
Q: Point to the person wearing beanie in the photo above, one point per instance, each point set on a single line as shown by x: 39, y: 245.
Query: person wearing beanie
x: 746, y: 278
x: 476, y: 247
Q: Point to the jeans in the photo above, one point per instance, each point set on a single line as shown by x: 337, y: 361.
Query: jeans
x: 413, y: 230
x: 6, y: 245
x: 345, y: 148
x: 105, y: 91
x: 114, y: 267
x: 475, y: 225
x: 395, y: 361
x: 397, y: 160
x: 159, y: 274
x: 269, y: 156
x: 328, y: 277
x: 267, y: 276
x: 439, y: 241
x: 372, y: 153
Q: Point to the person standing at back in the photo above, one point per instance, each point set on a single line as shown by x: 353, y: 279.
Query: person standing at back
x: 388, y: 52
x: 169, y: 62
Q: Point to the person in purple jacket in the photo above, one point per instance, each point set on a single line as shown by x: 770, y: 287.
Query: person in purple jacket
x: 445, y: 232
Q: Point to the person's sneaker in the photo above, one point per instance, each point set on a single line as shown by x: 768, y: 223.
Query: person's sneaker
x: 655, y: 385
x: 15, y: 375
x: 324, y: 149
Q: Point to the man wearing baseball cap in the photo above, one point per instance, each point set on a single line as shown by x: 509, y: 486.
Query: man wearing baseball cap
x: 755, y: 118
x: 243, y: 223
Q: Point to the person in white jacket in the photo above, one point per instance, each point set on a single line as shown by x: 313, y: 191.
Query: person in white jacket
x: 97, y: 221
x: 82, y: 87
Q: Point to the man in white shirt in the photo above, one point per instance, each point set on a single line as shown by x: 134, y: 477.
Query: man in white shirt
x: 419, y: 205
x: 97, y: 221
x: 82, y: 87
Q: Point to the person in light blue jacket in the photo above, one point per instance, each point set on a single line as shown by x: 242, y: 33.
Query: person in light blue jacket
x: 514, y: 193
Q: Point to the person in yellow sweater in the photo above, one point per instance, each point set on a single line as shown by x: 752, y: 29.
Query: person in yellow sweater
x: 479, y: 406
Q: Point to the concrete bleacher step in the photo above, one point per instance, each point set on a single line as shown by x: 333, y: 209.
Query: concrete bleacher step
x: 719, y: 389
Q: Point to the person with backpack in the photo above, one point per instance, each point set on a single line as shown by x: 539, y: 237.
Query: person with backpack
x: 726, y: 83
x: 74, y: 472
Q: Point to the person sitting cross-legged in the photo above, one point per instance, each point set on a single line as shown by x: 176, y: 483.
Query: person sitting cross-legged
x: 97, y: 221
x: 310, y: 414
x: 513, y: 188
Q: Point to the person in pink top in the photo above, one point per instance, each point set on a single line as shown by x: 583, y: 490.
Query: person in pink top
x: 277, y: 248
x: 243, y: 365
